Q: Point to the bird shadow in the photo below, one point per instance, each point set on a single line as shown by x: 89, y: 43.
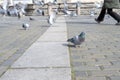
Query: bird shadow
x: 45, y: 26
x: 68, y: 45
x: 21, y: 29
x: 71, y: 22
x: 80, y: 22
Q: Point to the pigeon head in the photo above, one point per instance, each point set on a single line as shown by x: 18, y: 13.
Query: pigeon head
x: 82, y: 34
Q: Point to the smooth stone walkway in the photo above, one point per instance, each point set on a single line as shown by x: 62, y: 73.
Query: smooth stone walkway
x: 47, y: 59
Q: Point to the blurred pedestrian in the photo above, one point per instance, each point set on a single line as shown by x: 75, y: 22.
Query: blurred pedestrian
x: 108, y: 6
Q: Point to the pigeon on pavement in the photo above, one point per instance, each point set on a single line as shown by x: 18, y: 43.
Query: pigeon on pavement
x: 25, y: 26
x: 52, y: 17
x: 31, y: 18
x: 77, y: 40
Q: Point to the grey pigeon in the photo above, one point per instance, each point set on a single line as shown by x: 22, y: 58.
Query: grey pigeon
x: 78, y: 3
x: 39, y: 3
x: 40, y: 12
x: 25, y: 26
x: 12, y: 11
x: 98, y: 5
x: 69, y: 13
x: 52, y: 17
x: 54, y: 1
x: 2, y: 11
x: 31, y: 18
x: 92, y: 12
x: 77, y: 40
x: 73, y: 14
x: 19, y: 15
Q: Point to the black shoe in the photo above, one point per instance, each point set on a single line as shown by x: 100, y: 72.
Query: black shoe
x: 117, y: 23
x: 97, y: 20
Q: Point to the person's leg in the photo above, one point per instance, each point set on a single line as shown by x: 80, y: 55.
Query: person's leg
x: 101, y: 15
x: 114, y: 15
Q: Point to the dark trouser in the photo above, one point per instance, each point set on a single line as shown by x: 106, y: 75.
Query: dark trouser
x: 110, y: 12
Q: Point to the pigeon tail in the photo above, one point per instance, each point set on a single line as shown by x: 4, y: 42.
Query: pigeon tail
x: 70, y: 40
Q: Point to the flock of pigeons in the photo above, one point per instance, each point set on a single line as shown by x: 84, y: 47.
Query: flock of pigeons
x: 19, y: 10
x: 16, y: 10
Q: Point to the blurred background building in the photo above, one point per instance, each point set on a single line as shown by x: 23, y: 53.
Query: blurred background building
x: 46, y: 1
x: 87, y: 6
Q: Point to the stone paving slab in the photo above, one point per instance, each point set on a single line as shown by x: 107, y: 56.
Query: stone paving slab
x: 14, y: 40
x: 44, y: 51
x: 37, y: 74
x: 57, y: 32
x: 57, y: 29
x: 46, y: 59
x: 54, y: 36
x: 44, y: 54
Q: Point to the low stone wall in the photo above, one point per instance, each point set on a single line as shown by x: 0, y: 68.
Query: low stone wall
x: 85, y: 8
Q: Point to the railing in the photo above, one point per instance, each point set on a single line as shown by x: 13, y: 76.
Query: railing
x: 71, y: 6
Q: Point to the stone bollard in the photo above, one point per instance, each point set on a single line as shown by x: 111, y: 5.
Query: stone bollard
x: 49, y: 8
x: 78, y: 11
x: 78, y: 4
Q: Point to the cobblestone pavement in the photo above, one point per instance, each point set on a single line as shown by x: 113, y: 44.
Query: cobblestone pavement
x: 98, y: 58
x: 14, y: 40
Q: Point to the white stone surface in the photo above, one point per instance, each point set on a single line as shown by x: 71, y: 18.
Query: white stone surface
x: 44, y: 54
x: 53, y: 36
x: 46, y: 59
x: 37, y: 74
x: 57, y: 32
x: 57, y: 29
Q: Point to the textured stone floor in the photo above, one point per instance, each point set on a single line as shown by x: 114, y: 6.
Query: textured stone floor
x: 98, y: 58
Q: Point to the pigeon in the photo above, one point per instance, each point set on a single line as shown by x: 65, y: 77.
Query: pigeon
x: 31, y: 18
x: 73, y: 14
x: 40, y: 12
x: 92, y: 12
x: 77, y: 40
x: 25, y: 26
x: 19, y: 15
x: 65, y: 9
x: 98, y: 5
x: 12, y: 11
x: 5, y: 4
x: 39, y: 3
x: 69, y: 13
x: 78, y: 3
x: 66, y: 12
x: 51, y: 18
x: 2, y: 11
x: 54, y: 1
